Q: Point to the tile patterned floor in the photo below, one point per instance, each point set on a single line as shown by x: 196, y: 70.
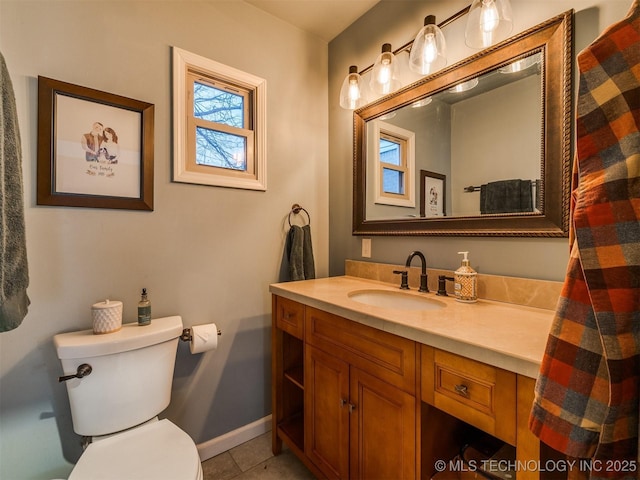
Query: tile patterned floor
x: 254, y: 459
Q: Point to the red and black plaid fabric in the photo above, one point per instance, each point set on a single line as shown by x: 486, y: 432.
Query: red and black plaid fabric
x: 588, y: 390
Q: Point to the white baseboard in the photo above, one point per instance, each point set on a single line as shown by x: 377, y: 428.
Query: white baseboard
x: 221, y: 444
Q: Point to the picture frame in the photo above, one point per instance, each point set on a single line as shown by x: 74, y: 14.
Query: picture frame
x: 433, y: 194
x: 95, y: 149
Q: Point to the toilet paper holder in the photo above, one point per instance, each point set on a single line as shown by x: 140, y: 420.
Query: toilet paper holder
x: 187, y: 336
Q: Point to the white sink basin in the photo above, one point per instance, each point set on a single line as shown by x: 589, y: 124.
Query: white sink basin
x: 395, y: 299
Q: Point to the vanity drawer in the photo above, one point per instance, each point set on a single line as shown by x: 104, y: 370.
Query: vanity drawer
x: 290, y: 316
x: 479, y: 394
x: 384, y: 355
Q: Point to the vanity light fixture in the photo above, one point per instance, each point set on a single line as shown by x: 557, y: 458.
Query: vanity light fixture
x: 384, y: 74
x: 428, y: 52
x: 489, y: 22
x: 464, y: 86
x: 352, y: 94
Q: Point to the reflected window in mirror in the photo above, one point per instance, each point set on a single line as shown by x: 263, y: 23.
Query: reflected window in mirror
x: 393, y: 167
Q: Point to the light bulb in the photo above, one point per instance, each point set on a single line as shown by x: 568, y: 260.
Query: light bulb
x: 354, y: 91
x: 430, y: 48
x: 428, y: 52
x: 489, y: 18
x: 384, y: 73
x: 383, y: 76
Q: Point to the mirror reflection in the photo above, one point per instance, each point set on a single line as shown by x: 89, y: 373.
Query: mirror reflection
x: 472, y: 149
x: 479, y: 148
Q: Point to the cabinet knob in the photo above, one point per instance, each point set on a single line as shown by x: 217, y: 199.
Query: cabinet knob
x: 462, y: 390
x: 352, y: 407
x: 343, y: 402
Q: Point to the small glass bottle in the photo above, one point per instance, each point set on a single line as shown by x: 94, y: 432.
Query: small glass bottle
x: 144, y: 309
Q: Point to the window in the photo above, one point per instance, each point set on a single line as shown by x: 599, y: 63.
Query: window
x: 219, y: 124
x: 395, y: 171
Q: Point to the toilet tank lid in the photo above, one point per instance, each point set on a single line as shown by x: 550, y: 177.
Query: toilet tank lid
x: 131, y: 336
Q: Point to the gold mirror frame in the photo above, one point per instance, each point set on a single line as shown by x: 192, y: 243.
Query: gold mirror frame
x: 553, y: 39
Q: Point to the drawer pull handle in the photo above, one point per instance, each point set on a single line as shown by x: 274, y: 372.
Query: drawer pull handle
x: 462, y: 390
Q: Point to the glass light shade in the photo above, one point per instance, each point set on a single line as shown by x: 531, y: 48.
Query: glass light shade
x: 488, y: 22
x: 428, y: 51
x: 520, y: 65
x: 352, y: 93
x: 384, y: 75
x: 422, y: 103
x: 464, y: 86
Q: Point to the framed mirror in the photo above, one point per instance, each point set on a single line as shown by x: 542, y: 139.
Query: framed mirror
x: 480, y: 148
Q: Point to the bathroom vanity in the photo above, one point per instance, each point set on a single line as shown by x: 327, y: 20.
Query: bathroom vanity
x: 368, y: 383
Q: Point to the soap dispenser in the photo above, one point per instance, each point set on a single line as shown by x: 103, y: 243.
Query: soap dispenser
x: 466, y: 281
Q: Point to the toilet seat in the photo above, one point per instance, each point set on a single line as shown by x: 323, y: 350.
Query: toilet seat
x: 154, y: 451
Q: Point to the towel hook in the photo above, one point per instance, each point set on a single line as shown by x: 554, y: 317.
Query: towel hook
x: 295, y: 209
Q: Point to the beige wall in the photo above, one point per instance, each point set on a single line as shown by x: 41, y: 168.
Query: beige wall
x: 205, y: 253
x: 397, y: 22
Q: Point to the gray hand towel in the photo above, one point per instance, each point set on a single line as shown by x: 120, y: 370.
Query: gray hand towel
x: 295, y: 247
x: 506, y: 196
x: 299, y: 252
x: 307, y: 254
x: 14, y: 277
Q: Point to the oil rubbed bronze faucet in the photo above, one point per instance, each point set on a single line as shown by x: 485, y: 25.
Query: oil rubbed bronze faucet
x: 423, y: 275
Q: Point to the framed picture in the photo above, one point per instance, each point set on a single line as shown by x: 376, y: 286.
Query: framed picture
x: 95, y: 149
x: 432, y: 194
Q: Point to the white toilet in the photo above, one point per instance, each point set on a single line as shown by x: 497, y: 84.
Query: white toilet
x: 117, y: 403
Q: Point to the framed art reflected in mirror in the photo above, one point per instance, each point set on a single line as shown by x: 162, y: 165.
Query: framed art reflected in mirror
x: 432, y: 194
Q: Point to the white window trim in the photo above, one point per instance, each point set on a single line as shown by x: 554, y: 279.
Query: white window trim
x: 181, y: 60
x: 410, y: 138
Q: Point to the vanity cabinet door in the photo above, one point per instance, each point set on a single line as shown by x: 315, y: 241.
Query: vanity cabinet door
x: 327, y: 412
x: 356, y: 425
x: 383, y: 429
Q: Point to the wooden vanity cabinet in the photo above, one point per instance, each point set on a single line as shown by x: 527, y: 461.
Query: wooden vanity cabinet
x: 355, y: 402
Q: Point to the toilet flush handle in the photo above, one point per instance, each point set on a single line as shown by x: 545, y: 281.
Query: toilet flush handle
x: 83, y: 371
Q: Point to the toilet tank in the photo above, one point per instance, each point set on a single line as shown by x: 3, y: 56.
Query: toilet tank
x: 130, y: 381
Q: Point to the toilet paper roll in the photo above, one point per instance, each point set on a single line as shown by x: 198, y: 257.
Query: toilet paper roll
x: 203, y: 338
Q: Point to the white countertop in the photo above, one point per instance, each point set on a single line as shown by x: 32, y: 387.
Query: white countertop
x: 508, y: 336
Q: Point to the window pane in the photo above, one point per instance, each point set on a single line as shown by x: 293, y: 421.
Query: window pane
x: 219, y: 149
x: 389, y: 152
x: 215, y: 105
x: 392, y: 181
